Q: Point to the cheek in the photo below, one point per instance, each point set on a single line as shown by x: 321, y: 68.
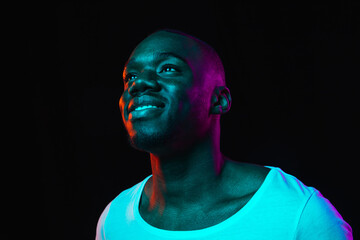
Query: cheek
x: 128, y: 125
x: 187, y: 117
x: 122, y: 106
x: 199, y: 101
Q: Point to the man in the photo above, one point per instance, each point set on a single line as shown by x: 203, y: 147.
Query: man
x: 174, y: 95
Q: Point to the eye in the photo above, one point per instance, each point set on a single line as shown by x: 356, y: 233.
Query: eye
x: 130, y: 77
x: 168, y: 69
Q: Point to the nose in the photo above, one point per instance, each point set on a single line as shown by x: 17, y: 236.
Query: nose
x: 146, y: 81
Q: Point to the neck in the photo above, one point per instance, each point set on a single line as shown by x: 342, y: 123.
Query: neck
x: 188, y: 177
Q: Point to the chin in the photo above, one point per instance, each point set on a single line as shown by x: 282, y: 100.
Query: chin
x: 148, y: 140
x: 160, y: 137
x: 161, y: 143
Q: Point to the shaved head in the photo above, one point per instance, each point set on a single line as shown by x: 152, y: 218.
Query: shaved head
x: 213, y: 67
x: 174, y: 91
x: 213, y: 61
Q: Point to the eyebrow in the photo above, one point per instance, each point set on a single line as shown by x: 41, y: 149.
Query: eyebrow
x: 157, y: 56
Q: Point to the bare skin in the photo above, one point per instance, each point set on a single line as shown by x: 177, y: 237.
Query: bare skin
x: 193, y: 184
x: 235, y: 186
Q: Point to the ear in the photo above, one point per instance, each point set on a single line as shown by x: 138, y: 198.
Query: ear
x: 220, y: 100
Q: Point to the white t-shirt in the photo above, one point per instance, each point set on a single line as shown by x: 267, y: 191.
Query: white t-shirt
x: 282, y: 208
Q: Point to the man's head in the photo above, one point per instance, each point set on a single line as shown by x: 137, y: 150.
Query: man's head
x: 174, y: 92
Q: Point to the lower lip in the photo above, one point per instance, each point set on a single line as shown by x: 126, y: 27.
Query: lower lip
x: 145, y: 113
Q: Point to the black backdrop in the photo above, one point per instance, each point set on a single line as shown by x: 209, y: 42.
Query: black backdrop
x: 290, y: 68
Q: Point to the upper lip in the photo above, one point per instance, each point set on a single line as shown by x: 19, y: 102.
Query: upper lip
x: 144, y: 100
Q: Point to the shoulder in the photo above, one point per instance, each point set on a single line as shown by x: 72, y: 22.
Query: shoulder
x: 100, y: 231
x: 271, y: 183
x: 317, y: 218
x: 273, y: 178
x: 117, y: 208
x: 112, y: 208
x: 246, y: 174
x: 285, y: 183
x: 320, y: 220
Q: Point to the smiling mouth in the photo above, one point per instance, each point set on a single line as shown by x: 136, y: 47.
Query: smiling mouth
x: 145, y: 112
x: 145, y: 104
x: 146, y: 107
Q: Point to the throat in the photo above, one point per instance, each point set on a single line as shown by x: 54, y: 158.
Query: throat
x: 192, y: 217
x: 184, y: 181
x: 238, y: 186
x: 161, y: 198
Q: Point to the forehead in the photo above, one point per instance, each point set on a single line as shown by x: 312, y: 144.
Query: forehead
x: 163, y: 42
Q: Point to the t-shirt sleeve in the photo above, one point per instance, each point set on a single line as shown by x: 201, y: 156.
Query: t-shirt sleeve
x: 320, y: 220
x: 100, y: 231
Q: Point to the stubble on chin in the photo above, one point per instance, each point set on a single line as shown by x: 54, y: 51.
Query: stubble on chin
x: 150, y: 141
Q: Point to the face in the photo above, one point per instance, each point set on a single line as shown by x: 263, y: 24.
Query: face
x: 165, y: 105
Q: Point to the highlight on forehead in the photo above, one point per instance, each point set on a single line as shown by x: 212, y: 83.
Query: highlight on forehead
x: 213, y: 59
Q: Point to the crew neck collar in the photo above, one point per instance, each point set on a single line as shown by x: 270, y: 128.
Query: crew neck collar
x: 204, y: 231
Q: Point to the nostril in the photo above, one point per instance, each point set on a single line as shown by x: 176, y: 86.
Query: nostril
x: 141, y: 85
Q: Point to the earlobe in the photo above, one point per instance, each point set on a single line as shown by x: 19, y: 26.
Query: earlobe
x: 220, y: 100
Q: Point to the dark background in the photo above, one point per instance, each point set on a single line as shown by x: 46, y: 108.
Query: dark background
x: 290, y: 68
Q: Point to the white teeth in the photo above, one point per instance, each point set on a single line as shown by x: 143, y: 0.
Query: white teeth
x: 145, y: 107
